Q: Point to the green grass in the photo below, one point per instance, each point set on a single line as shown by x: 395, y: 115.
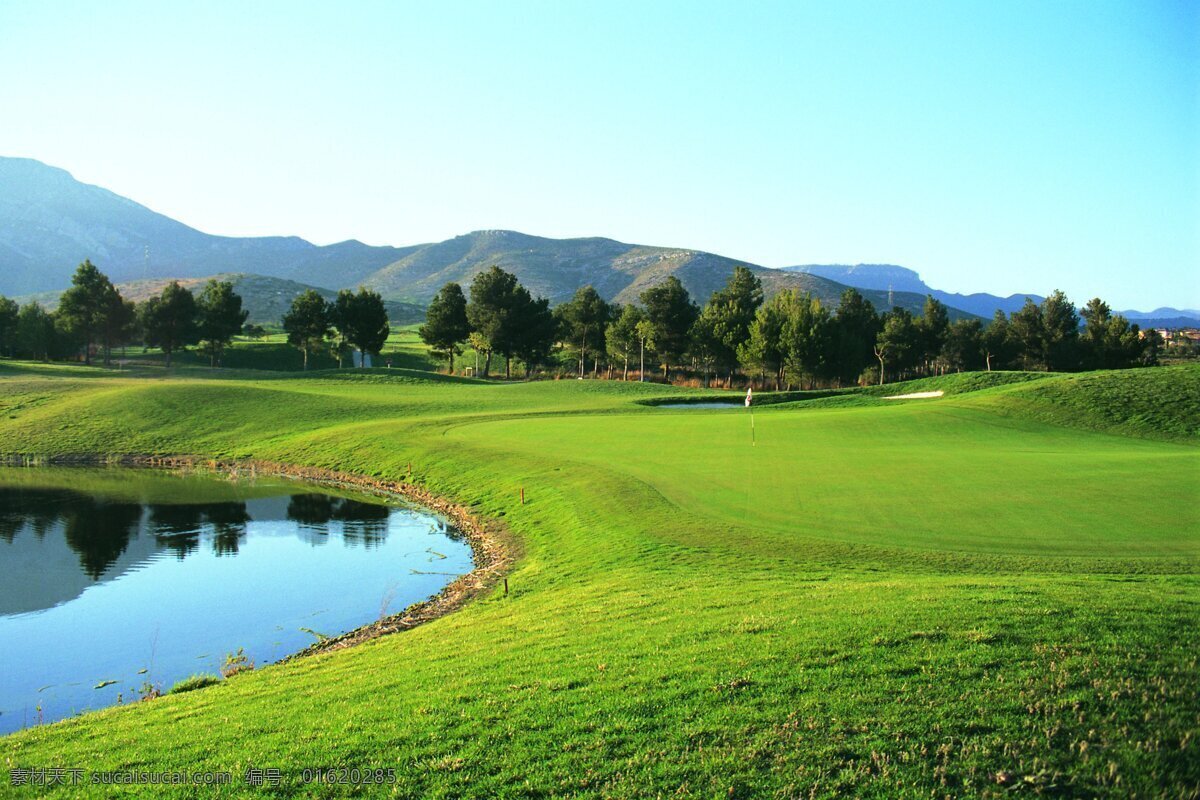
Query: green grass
x: 880, y: 598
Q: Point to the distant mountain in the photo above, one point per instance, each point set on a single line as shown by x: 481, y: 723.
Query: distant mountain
x: 901, y: 279
x: 556, y: 268
x: 50, y: 222
x: 267, y: 299
x: 885, y: 276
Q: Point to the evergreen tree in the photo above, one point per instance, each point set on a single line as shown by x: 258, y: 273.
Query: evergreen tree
x: 725, y: 321
x: 763, y: 352
x: 308, y: 323
x: 35, y: 332
x: 582, y: 322
x: 622, y: 337
x: 1060, y: 331
x: 898, y: 342
x: 805, y: 338
x: 856, y: 326
x: 446, y: 326
x: 221, y: 318
x: 932, y: 329
x: 1027, y: 337
x: 84, y: 309
x: 963, y: 349
x: 538, y: 331
x: 996, y: 342
x: 364, y: 322
x: 171, y: 320
x: 491, y: 311
x: 671, y: 313
x: 9, y: 313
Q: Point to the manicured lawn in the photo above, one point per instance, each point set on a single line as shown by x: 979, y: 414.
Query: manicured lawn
x: 920, y: 599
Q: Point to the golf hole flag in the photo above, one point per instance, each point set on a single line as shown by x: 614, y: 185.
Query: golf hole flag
x: 749, y: 396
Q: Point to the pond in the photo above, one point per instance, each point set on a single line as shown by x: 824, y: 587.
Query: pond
x: 703, y: 406
x: 112, y: 580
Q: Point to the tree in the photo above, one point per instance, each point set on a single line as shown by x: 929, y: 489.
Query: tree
x: 254, y: 331
x: 446, y: 326
x: 481, y: 347
x: 897, y: 341
x: 727, y: 318
x: 9, y: 312
x: 340, y: 311
x: 171, y: 320
x: 35, y: 332
x: 85, y: 307
x: 537, y: 334
x: 805, y: 336
x: 622, y: 339
x: 996, y: 342
x: 491, y: 312
x: 856, y: 326
x: 120, y: 324
x: 362, y: 319
x: 582, y: 321
x: 963, y: 349
x: 1025, y: 327
x: 671, y: 313
x: 307, y: 323
x: 1060, y: 331
x: 1152, y: 346
x: 221, y: 318
x: 932, y: 329
x: 706, y: 345
x: 645, y: 334
x: 763, y: 351
x: 1111, y: 342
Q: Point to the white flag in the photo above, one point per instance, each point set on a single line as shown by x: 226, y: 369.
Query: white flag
x: 749, y: 396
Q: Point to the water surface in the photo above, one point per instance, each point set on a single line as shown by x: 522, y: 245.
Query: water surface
x: 140, y: 577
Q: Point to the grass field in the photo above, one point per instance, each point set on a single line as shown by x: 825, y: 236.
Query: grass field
x: 990, y: 593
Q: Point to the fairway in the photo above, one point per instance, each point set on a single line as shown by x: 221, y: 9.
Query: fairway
x: 921, y: 598
x: 944, y: 478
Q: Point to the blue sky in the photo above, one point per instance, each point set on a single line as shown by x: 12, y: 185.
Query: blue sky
x: 1000, y: 147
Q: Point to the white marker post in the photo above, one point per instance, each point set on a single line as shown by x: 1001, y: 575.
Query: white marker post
x: 750, y: 405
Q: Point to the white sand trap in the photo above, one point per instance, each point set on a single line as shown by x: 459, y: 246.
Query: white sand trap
x: 915, y: 395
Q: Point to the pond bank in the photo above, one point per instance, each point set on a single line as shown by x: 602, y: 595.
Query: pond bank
x: 494, y: 549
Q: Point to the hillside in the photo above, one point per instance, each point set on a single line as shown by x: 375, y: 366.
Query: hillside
x: 50, y: 222
x: 267, y: 299
x: 555, y: 268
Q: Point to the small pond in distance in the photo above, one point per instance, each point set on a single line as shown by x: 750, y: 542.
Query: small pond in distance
x: 706, y: 405
x: 141, y: 577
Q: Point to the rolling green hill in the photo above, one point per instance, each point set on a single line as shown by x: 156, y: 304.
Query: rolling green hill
x: 961, y: 596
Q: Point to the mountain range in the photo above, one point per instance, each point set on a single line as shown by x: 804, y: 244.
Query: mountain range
x: 50, y: 222
x: 886, y: 277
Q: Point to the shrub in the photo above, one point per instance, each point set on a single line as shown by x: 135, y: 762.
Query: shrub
x: 235, y: 663
x: 194, y: 682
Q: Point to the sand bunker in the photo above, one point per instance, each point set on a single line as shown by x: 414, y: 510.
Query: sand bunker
x: 915, y: 395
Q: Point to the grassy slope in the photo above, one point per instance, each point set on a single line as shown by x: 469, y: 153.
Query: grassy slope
x: 908, y: 599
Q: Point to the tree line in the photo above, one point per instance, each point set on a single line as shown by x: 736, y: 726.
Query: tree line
x: 789, y: 340
x: 93, y: 319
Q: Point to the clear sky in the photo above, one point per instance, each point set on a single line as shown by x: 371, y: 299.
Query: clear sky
x: 992, y: 146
